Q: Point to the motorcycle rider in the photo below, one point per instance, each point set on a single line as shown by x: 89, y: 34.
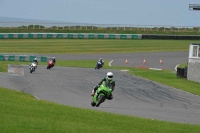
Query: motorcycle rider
x: 34, y: 61
x: 109, y: 82
x: 54, y: 60
x: 101, y: 61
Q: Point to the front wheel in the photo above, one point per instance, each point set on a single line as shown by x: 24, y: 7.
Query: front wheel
x: 100, y: 100
x: 31, y: 70
x: 93, y: 103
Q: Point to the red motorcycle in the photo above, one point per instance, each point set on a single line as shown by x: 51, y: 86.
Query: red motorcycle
x: 50, y: 64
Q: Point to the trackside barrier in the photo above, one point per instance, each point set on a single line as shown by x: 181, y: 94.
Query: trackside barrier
x: 11, y: 57
x: 68, y: 35
x: 181, y: 72
x: 32, y: 57
x: 2, y: 58
x: 43, y: 59
x: 23, y: 58
x: 95, y: 36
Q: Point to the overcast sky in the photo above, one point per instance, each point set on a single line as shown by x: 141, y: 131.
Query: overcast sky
x: 136, y: 12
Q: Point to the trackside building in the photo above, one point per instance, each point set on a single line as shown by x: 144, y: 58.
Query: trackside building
x: 193, y: 71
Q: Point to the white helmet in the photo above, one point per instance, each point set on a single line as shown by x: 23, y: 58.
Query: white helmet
x: 35, y: 59
x: 109, y: 75
x: 53, y: 57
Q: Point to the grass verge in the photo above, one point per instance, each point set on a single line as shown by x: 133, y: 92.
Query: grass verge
x: 21, y: 112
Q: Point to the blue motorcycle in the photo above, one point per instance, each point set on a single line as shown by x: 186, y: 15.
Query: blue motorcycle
x: 99, y: 65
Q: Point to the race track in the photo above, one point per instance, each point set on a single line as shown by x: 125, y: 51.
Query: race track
x: 132, y: 96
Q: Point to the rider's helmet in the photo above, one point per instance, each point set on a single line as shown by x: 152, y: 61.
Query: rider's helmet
x: 109, y: 75
x: 35, y: 58
x: 53, y: 57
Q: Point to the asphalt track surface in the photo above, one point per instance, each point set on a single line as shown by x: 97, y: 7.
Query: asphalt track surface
x: 169, y: 59
x: 132, y: 96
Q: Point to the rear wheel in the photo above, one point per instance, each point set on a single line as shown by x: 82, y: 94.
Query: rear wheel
x: 100, y: 100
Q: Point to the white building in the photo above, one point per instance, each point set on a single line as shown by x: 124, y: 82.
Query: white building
x: 193, y: 71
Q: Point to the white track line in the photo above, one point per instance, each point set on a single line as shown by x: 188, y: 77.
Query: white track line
x: 36, y: 97
x: 155, y: 69
x: 176, y: 67
x: 110, y: 62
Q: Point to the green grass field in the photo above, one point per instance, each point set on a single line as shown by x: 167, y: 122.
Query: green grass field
x: 21, y: 112
x: 81, y: 46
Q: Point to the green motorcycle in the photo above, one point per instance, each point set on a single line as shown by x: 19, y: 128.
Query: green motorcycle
x: 101, y: 94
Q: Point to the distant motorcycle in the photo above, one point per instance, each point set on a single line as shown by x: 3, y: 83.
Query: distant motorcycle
x: 101, y: 94
x: 32, y: 67
x: 99, y: 65
x: 50, y: 64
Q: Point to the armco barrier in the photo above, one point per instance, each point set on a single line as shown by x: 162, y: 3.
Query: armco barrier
x: 172, y: 37
x: 69, y: 35
x: 96, y: 36
x: 23, y: 58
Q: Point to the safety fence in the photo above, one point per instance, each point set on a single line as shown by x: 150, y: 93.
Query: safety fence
x: 23, y: 58
x: 69, y: 35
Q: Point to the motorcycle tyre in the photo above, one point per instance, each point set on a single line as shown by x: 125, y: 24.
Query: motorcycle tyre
x: 93, y: 103
x: 101, y: 99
